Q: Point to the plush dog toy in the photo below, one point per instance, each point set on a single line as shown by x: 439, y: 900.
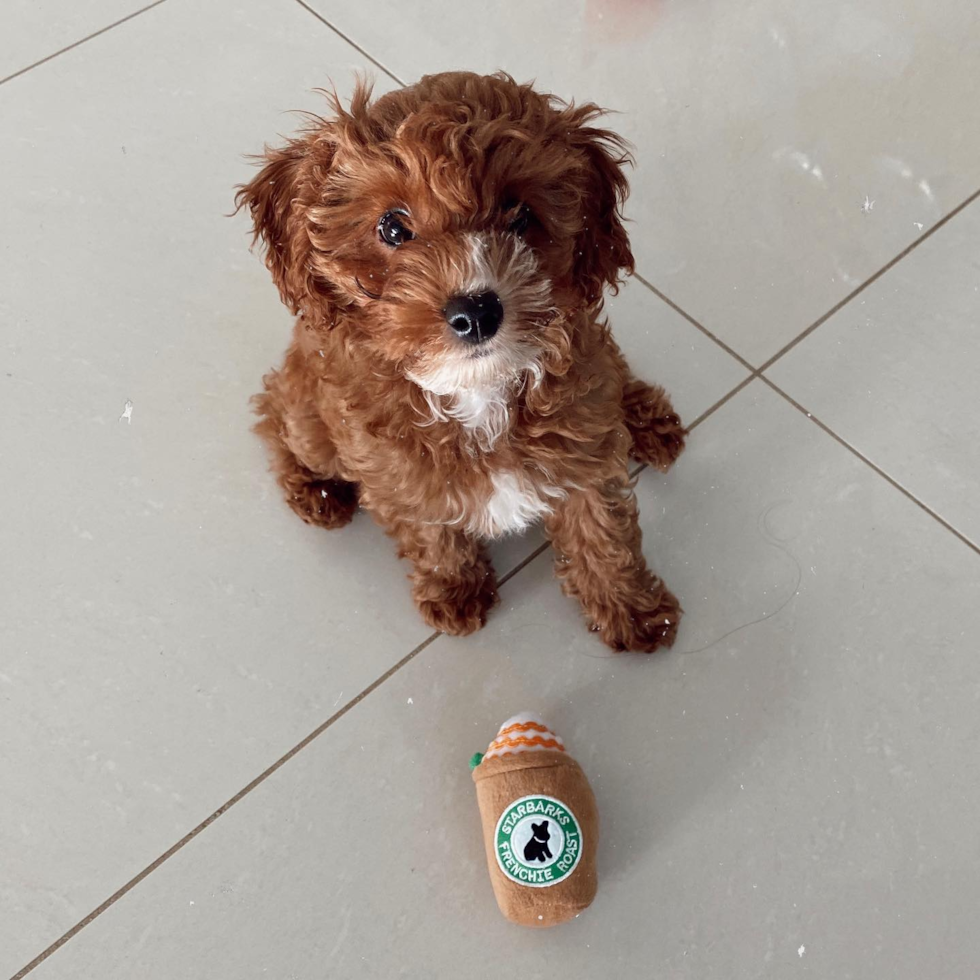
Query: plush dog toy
x: 540, y: 825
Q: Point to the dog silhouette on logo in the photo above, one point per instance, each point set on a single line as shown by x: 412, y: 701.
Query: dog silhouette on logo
x: 536, y: 849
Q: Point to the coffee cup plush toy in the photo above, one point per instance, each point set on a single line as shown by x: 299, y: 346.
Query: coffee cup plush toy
x: 540, y: 824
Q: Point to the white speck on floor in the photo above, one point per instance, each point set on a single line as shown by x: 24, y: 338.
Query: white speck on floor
x: 918, y: 224
x: 801, y: 951
x: 339, y: 696
x: 410, y: 701
x: 127, y: 412
x: 868, y: 206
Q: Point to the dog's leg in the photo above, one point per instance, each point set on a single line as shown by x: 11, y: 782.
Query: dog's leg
x: 453, y: 583
x: 303, y: 455
x: 596, y: 536
x: 658, y: 436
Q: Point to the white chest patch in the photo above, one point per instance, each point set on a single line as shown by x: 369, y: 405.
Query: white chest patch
x: 484, y: 411
x: 514, y: 505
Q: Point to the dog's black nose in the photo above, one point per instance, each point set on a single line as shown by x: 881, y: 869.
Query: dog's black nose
x: 475, y: 318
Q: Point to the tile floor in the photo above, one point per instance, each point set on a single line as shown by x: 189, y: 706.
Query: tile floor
x: 793, y: 791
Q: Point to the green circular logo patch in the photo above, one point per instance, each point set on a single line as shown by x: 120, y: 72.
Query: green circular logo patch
x: 537, y: 841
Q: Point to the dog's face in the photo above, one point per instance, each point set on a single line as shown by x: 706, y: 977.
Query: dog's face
x: 541, y: 831
x: 456, y: 223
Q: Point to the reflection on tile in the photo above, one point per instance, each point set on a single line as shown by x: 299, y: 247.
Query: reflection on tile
x: 168, y: 628
x: 768, y: 804
x: 761, y: 130
x: 35, y: 29
x: 895, y: 372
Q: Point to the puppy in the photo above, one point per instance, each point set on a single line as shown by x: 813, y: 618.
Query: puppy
x: 445, y: 249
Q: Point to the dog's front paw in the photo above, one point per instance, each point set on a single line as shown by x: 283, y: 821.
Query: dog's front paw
x: 325, y: 503
x: 660, y: 442
x: 457, y: 606
x: 642, y: 622
x: 658, y: 435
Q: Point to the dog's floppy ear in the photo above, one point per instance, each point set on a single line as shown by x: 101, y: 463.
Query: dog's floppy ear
x: 603, y: 251
x: 278, y: 198
x: 287, y: 193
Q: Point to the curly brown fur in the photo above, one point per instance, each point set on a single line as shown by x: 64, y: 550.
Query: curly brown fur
x: 655, y: 428
x: 597, y: 538
x: 494, y: 188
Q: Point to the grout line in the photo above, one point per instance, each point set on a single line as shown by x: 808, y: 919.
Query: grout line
x: 872, y: 279
x: 89, y: 37
x: 541, y: 548
x: 836, y: 308
x: 374, y: 61
x: 694, y: 323
x: 889, y: 479
x: 721, y: 401
x: 204, y: 824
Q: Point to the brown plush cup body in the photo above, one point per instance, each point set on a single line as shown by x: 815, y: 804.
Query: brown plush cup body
x: 499, y: 782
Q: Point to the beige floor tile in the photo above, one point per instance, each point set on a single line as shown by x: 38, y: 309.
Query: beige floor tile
x: 790, y: 800
x: 895, y: 372
x: 761, y: 128
x: 35, y: 29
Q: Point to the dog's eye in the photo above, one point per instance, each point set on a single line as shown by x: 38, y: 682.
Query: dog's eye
x: 522, y: 218
x: 391, y: 230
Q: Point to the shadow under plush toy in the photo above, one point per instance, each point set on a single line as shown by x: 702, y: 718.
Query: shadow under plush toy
x: 540, y: 824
